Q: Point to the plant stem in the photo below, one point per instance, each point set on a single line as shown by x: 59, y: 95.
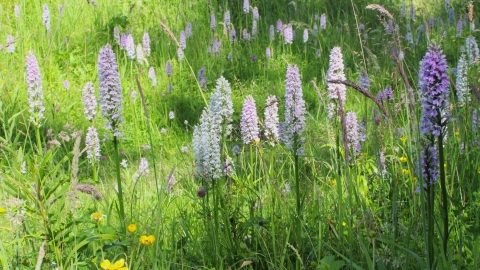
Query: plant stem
x: 444, y: 195
x: 299, y: 207
x: 39, y: 141
x: 430, y: 208
x: 119, y: 184
x: 217, y: 223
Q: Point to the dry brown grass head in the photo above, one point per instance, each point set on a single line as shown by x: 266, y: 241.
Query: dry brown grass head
x: 381, y: 9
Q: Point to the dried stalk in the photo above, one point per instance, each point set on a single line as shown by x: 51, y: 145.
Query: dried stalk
x: 364, y: 92
x: 318, y: 92
x: 381, y: 9
x: 169, y: 32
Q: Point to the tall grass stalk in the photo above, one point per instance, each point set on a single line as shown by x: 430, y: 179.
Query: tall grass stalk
x: 147, y: 121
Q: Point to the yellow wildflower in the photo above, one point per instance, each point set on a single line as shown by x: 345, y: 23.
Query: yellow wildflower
x: 403, y: 159
x: 132, y: 228
x: 118, y: 265
x: 147, y: 240
x: 457, y: 133
x: 5, y: 70
x: 2, y: 211
x: 332, y: 182
x: 344, y: 224
x: 96, y: 216
x: 405, y: 171
x: 445, y: 165
x: 105, y: 264
x: 403, y: 139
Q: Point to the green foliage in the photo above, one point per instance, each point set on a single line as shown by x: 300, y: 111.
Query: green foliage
x: 61, y: 209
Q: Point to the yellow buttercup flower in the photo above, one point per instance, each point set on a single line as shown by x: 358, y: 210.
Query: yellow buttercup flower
x: 405, y: 171
x: 132, y: 228
x: 118, y: 265
x: 403, y: 139
x: 2, y: 211
x: 332, y: 182
x: 147, y: 240
x: 151, y: 239
x: 457, y: 133
x: 96, y: 216
x: 105, y: 264
x: 403, y: 159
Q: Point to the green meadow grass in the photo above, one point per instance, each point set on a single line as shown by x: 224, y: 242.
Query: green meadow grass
x: 348, y: 214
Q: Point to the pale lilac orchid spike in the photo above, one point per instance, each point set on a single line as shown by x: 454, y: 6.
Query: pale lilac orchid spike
x: 323, y: 22
x: 254, y: 28
x: 271, y: 118
x: 463, y: 93
x: 46, y: 18
x: 268, y: 53
x: 16, y: 11
x: 123, y: 41
x: 206, y: 146
x: 146, y: 44
x: 152, y: 77
x: 233, y: 35
x: 92, y: 144
x: 226, y: 19
x: 66, y: 84
x: 188, y: 30
x: 221, y: 106
x: 110, y: 90
x: 294, y: 110
x: 213, y: 22
x: 35, y: 93
x: 183, y: 40
x: 180, y: 53
x: 168, y: 69
x: 130, y: 47
x: 249, y: 121
x: 89, y: 101
x: 305, y: 35
x: 351, y: 124
x: 288, y: 34
x: 256, y: 15
x: 335, y: 72
x: 279, y: 26
x: 246, y: 6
